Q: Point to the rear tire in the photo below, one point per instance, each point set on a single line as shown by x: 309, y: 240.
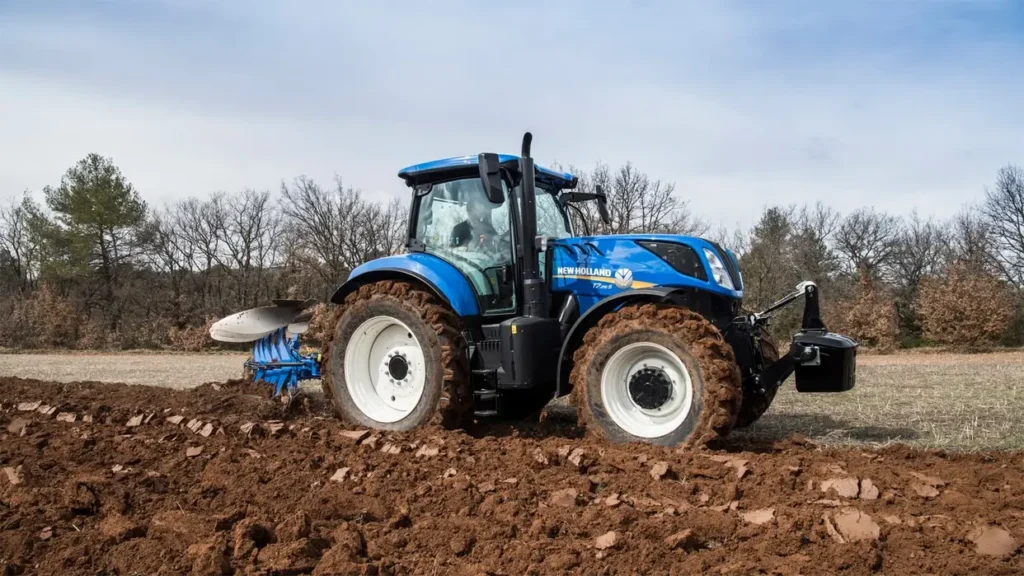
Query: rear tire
x: 753, y: 407
x: 397, y: 360
x: 656, y: 374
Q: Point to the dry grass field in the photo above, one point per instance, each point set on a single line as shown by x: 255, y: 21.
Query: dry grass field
x: 933, y: 400
x: 929, y: 400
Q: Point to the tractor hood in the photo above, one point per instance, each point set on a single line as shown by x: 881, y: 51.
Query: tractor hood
x: 608, y: 264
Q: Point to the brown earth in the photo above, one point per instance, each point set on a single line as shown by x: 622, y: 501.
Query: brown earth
x: 298, y: 493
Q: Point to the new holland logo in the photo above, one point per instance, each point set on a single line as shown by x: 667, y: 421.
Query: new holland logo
x: 623, y: 278
x: 591, y: 272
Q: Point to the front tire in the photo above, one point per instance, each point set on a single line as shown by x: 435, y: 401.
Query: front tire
x: 656, y: 374
x: 397, y: 360
x: 754, y: 407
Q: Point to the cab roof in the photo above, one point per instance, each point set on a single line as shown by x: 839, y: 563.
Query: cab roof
x: 463, y: 166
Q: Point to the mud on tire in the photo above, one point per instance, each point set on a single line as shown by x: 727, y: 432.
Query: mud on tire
x: 447, y: 396
x: 710, y: 361
x: 753, y: 407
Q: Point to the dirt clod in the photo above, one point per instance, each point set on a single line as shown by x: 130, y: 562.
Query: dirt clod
x: 733, y: 462
x: 426, y: 451
x: 565, y: 498
x: 354, y: 436
x: 684, y: 540
x: 13, y: 475
x: 17, y: 426
x: 659, y: 470
x: 868, y: 490
x: 606, y: 540
x: 843, y: 487
x: 210, y: 557
x: 576, y: 458
x: 855, y: 525
x: 295, y: 527
x: 929, y: 480
x: 924, y: 490
x: 759, y: 517
x: 993, y: 541
x: 193, y: 451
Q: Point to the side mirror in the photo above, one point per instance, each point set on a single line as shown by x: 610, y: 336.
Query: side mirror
x: 602, y: 206
x: 490, y: 175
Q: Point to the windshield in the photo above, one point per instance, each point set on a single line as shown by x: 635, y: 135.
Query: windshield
x: 552, y: 221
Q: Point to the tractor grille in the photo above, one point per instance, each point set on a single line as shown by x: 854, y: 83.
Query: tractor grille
x: 730, y: 265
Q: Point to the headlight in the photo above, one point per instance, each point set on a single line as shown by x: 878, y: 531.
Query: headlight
x: 718, y: 270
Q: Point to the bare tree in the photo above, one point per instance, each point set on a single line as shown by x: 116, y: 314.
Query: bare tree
x: 320, y: 226
x: 636, y: 203
x: 19, y: 243
x: 867, y: 241
x: 250, y: 243
x: 201, y: 227
x: 1004, y: 211
x: 168, y: 255
x: 920, y: 251
x: 384, y: 229
x: 735, y: 240
x: 969, y: 239
x: 812, y: 256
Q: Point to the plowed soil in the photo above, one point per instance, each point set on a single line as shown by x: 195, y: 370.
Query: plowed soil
x: 107, y: 479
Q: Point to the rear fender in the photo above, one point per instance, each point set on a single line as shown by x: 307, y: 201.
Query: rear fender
x: 443, y: 279
x: 704, y: 303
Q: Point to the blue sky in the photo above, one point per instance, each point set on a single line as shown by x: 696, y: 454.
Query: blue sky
x: 900, y: 104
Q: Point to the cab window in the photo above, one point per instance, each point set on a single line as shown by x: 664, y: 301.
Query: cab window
x: 456, y: 222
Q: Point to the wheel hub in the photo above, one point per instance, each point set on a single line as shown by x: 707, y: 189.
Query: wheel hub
x: 398, y: 367
x: 650, y: 388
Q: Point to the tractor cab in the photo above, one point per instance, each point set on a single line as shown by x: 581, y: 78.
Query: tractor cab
x: 454, y: 218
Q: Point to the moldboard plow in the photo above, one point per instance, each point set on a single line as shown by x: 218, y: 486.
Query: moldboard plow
x: 275, y: 335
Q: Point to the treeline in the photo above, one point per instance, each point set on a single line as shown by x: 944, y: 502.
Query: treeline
x: 93, y: 266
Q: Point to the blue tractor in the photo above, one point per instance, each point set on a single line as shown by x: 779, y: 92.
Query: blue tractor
x: 497, y: 307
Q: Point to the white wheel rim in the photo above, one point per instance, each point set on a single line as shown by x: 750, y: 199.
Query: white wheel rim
x: 623, y: 365
x: 370, y: 357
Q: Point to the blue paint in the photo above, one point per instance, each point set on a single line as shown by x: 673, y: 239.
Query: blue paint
x: 602, y: 257
x: 444, y: 277
x: 276, y: 360
x: 440, y: 169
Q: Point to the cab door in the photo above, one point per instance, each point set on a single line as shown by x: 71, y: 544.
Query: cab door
x: 457, y: 223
